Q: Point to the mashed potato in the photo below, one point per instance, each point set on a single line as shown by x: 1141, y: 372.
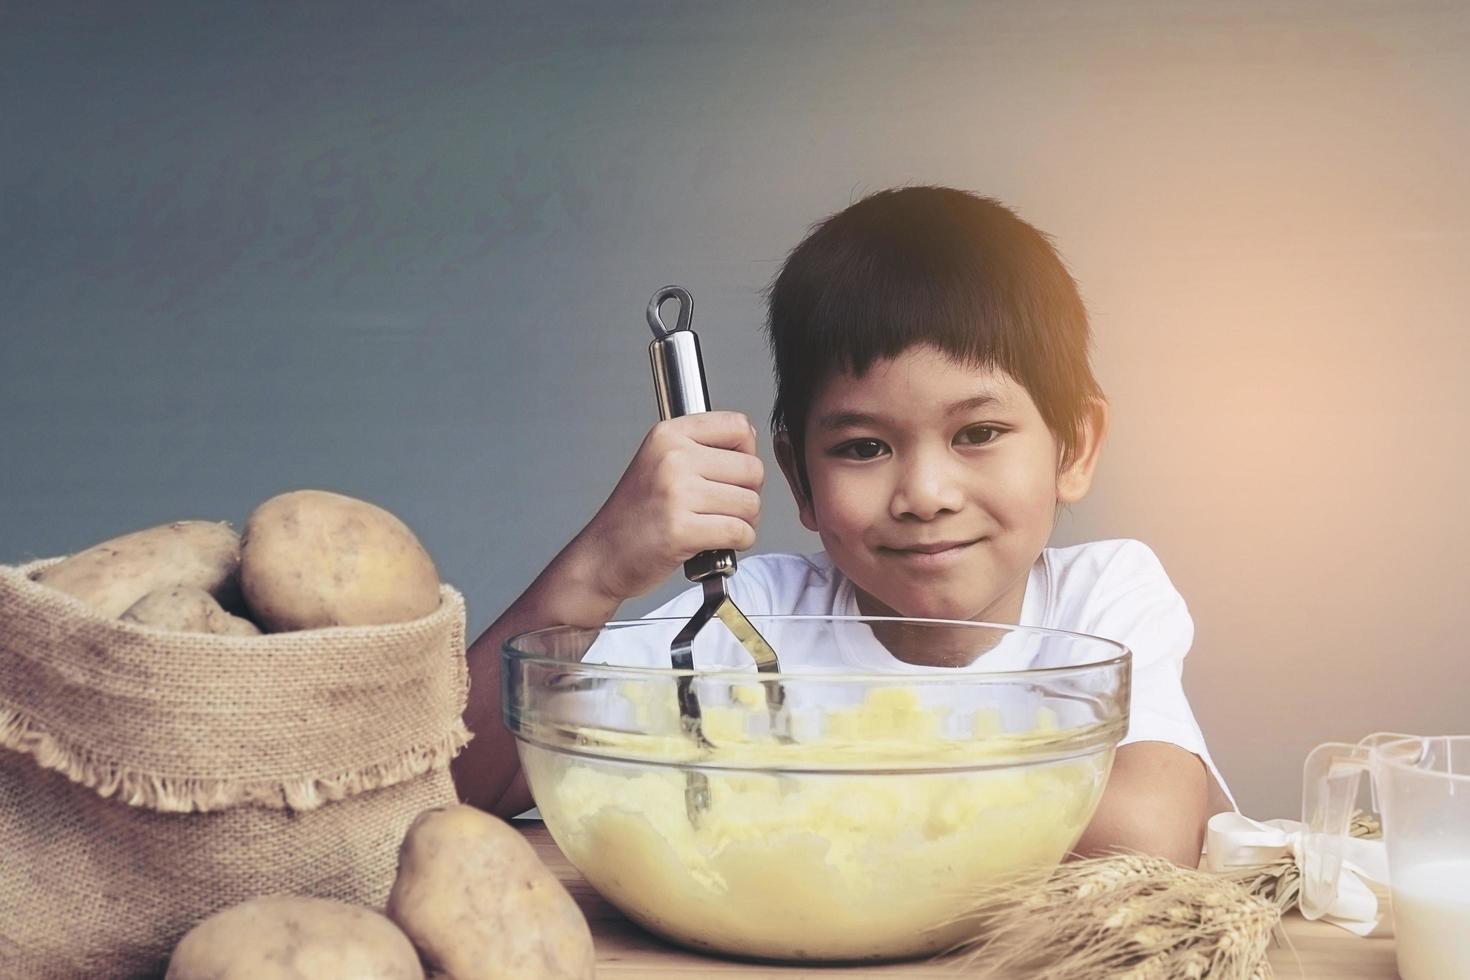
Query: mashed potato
x: 812, y: 865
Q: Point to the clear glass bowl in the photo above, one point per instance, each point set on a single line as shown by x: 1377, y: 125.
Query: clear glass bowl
x: 855, y: 821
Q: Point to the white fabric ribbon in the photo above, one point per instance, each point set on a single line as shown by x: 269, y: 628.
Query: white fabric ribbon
x: 1233, y: 841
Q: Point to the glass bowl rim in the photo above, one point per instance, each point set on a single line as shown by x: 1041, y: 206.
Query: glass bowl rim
x: 1123, y: 656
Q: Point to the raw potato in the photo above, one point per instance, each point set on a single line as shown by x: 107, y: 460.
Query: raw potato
x: 283, y: 937
x: 113, y: 575
x: 187, y: 610
x: 312, y: 558
x: 479, y: 904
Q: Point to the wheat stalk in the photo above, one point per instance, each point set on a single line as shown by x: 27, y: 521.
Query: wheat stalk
x: 1131, y: 917
x: 1126, y: 917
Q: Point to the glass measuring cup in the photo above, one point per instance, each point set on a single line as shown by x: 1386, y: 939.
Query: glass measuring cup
x: 1421, y: 789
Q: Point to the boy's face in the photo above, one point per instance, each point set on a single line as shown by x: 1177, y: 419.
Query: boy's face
x: 934, y: 485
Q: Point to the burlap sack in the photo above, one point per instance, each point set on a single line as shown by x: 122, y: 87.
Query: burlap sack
x: 148, y: 779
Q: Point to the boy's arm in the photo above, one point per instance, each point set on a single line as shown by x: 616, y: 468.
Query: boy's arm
x: 1154, y: 803
x: 487, y: 772
x: 693, y: 485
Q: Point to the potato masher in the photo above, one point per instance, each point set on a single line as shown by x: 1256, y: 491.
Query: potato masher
x: 678, y: 380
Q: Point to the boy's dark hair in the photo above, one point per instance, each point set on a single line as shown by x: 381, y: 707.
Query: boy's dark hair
x: 929, y: 265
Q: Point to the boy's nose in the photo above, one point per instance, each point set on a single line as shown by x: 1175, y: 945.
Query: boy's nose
x: 926, y: 488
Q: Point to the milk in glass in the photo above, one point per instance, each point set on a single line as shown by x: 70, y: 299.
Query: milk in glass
x: 1431, y: 915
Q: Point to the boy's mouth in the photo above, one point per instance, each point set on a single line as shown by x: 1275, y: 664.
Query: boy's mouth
x: 931, y: 552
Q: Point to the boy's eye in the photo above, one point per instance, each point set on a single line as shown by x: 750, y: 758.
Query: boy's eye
x: 978, y: 435
x: 861, y: 449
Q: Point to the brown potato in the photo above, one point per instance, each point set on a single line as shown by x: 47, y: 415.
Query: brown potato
x: 479, y: 904
x: 113, y: 575
x: 284, y: 937
x: 311, y: 558
x: 186, y: 610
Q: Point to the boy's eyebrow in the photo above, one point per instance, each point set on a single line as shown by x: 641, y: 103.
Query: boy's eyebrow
x: 847, y: 420
x: 863, y: 420
x: 970, y: 404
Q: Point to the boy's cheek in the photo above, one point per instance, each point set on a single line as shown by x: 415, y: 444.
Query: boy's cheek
x: 849, y: 498
x: 842, y: 522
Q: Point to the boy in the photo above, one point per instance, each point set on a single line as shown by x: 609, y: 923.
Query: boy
x: 934, y: 407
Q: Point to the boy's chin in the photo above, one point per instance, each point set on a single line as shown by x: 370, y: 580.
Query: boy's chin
x: 920, y: 605
x: 922, y: 609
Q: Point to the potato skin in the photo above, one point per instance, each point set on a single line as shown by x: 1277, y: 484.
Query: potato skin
x: 285, y: 937
x: 186, y: 610
x: 311, y: 558
x: 479, y: 904
x: 113, y: 575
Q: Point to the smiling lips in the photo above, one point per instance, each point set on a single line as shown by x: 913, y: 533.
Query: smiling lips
x: 934, y: 553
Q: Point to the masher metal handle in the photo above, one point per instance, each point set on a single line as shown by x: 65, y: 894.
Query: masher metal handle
x: 678, y: 381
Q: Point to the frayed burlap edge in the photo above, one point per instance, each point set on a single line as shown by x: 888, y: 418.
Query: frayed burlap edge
x: 165, y: 794
x: 23, y: 733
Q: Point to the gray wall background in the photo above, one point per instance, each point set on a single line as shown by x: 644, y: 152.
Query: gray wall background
x: 403, y: 251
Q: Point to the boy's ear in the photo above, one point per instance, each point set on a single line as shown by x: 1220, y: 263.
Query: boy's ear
x: 1074, y: 477
x: 786, y: 457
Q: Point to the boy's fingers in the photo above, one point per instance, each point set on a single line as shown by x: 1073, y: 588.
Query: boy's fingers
x: 722, y: 430
x: 725, y: 532
x: 721, y: 499
x: 740, y: 469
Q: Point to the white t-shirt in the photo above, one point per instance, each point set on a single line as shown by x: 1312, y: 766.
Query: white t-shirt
x: 1113, y: 589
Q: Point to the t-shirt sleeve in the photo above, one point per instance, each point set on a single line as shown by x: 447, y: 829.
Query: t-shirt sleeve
x: 1134, y: 603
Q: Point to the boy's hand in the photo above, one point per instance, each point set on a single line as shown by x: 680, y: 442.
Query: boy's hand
x: 693, y: 485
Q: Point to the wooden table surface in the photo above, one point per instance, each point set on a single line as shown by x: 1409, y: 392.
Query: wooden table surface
x: 1320, y: 951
